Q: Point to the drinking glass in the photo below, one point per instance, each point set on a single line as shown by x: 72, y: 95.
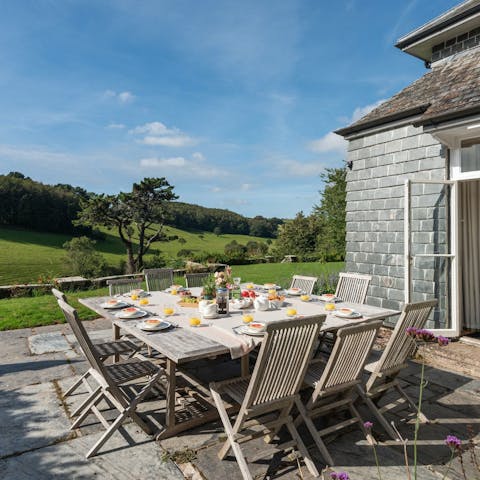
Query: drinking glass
x: 168, y: 309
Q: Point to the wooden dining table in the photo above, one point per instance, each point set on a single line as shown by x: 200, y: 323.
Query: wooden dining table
x: 182, y: 343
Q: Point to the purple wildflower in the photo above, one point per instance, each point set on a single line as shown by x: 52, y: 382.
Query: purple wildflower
x: 425, y: 335
x: 411, y: 332
x: 339, y: 476
x: 453, y: 442
x: 368, y: 425
x: 443, y: 341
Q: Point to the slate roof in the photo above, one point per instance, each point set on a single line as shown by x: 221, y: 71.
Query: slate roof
x: 450, y: 90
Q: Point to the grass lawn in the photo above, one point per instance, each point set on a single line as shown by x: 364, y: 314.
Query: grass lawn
x: 43, y: 310
x: 26, y: 255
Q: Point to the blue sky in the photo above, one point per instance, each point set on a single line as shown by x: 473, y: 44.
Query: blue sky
x: 232, y: 101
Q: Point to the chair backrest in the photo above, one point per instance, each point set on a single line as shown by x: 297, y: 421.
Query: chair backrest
x: 307, y: 284
x: 59, y: 295
x: 401, y: 346
x: 345, y: 364
x: 352, y: 287
x: 158, y: 278
x: 196, y: 279
x: 123, y: 285
x: 283, y: 359
x: 101, y: 373
x: 82, y: 337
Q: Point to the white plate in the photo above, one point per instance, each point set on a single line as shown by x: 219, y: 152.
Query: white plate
x: 271, y: 286
x: 328, y: 298
x: 163, y: 325
x: 114, y: 306
x: 127, y: 316
x: 247, y: 331
x: 295, y: 291
x: 351, y: 314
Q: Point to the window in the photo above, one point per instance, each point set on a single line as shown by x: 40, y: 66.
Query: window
x: 470, y: 155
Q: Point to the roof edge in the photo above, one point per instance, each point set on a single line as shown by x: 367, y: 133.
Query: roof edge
x: 438, y: 119
x: 346, y: 131
x: 427, y: 31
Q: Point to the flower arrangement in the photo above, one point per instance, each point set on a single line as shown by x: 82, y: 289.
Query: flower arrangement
x: 224, y: 279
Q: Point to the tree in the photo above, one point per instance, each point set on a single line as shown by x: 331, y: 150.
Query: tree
x: 83, y: 259
x: 331, y: 214
x: 136, y: 215
x: 297, y: 236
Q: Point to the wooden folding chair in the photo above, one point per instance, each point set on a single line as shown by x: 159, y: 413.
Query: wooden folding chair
x: 334, y: 383
x: 104, y: 350
x: 123, y: 285
x: 384, y: 372
x: 158, y: 278
x: 352, y: 287
x: 111, y: 381
x: 271, y: 390
x: 306, y: 284
x: 196, y: 279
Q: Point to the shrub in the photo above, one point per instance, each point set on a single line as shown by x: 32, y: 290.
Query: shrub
x: 82, y: 259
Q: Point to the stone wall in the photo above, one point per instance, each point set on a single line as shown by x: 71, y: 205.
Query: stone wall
x: 375, y: 214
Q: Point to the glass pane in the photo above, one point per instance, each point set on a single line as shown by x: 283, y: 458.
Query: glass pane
x: 430, y: 218
x: 431, y: 279
x: 470, y: 155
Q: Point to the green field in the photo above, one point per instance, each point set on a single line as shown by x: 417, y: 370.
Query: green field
x: 43, y: 310
x: 25, y: 255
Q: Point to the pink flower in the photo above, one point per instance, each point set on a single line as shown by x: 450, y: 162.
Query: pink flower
x: 368, y: 425
x: 443, y: 341
x: 453, y: 442
x: 339, y: 476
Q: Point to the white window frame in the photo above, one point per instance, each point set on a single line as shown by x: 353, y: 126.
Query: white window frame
x: 455, y: 327
x: 456, y: 159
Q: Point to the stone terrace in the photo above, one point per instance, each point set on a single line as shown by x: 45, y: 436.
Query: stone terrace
x: 35, y: 440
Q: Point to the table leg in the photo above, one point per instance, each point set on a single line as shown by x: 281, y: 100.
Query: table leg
x: 245, y: 365
x: 116, y: 336
x: 171, y: 368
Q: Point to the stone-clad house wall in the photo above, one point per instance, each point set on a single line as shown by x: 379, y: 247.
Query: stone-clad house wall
x: 375, y: 200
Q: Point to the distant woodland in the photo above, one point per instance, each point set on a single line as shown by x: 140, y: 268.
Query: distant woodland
x: 52, y: 208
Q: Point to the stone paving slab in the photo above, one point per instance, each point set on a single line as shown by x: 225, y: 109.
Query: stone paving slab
x: 118, y: 460
x: 48, y: 343
x: 31, y: 417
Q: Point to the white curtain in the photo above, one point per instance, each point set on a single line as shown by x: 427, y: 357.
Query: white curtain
x: 470, y: 245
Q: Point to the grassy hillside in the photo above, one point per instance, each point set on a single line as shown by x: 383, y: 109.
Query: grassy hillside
x: 43, y: 309
x: 27, y: 255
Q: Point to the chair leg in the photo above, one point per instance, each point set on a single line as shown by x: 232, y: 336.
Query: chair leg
x: 355, y: 414
x: 88, y: 408
x: 80, y: 381
x: 313, y: 432
x: 403, y: 393
x: 373, y: 408
x: 80, y: 408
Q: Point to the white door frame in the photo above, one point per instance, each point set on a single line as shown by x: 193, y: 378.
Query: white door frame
x: 455, y: 327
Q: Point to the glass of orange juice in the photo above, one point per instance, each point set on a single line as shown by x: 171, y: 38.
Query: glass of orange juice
x: 329, y: 306
x: 247, y: 317
x: 144, y: 301
x: 134, y: 296
x: 291, y: 312
x: 168, y: 309
x: 194, y: 320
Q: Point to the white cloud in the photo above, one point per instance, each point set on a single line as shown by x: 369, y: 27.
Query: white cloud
x: 169, y: 141
x: 246, y: 187
x: 182, y: 167
x: 296, y: 168
x: 198, y: 156
x: 121, y: 97
x: 164, y: 162
x: 360, y: 112
x: 126, y: 97
x: 116, y: 126
x: 331, y: 142
x: 157, y: 133
x: 216, y: 189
